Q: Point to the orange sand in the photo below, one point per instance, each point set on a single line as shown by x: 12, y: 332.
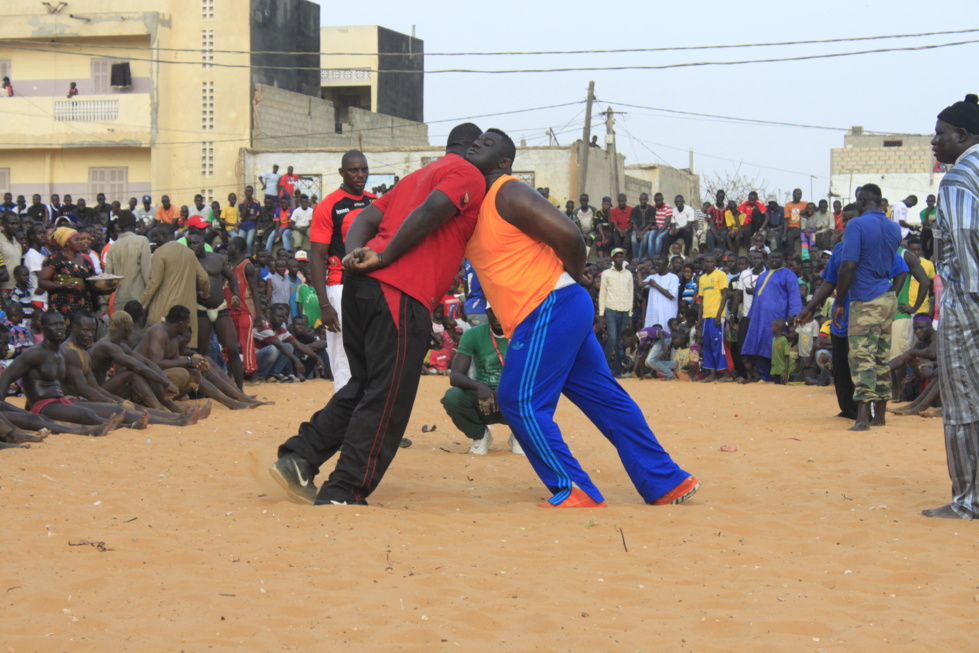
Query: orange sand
x: 806, y: 539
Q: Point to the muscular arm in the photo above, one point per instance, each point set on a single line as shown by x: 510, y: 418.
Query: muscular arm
x: 525, y: 209
x: 18, y: 369
x: 319, y: 253
x: 364, y: 227
x: 156, y: 346
x: 118, y: 356
x: 426, y: 218
x: 251, y: 277
x: 82, y: 384
x: 230, y: 279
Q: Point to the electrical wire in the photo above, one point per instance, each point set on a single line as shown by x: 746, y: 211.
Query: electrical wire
x: 689, y: 64
x: 852, y: 39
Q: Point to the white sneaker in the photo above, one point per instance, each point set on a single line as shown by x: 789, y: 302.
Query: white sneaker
x: 515, y: 446
x: 481, y: 446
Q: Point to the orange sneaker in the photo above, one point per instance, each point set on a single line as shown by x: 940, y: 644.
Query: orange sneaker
x: 577, y: 499
x: 680, y: 493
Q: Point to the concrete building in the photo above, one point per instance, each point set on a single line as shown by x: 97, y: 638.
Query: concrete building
x: 175, y: 124
x: 901, y: 164
x: 650, y: 178
x: 357, y: 72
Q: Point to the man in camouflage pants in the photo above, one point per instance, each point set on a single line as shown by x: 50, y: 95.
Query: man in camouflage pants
x: 869, y: 245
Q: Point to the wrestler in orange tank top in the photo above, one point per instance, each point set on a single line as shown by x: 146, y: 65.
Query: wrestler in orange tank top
x: 516, y: 272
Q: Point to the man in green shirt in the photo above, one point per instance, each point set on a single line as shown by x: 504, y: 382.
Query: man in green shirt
x: 471, y: 401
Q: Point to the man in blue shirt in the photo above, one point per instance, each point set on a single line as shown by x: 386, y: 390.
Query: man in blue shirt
x: 867, y: 253
x: 838, y: 328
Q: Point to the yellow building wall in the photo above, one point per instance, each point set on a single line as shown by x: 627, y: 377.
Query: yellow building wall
x: 189, y: 154
x: 350, y: 39
x: 66, y: 170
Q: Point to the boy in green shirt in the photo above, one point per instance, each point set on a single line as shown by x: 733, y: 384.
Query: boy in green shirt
x: 781, y: 352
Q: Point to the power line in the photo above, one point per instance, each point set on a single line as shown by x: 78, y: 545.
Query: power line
x: 756, y: 121
x: 303, y: 134
x: 517, y: 53
x: 690, y: 64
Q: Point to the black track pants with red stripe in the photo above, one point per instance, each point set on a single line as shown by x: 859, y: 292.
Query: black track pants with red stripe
x: 385, y: 335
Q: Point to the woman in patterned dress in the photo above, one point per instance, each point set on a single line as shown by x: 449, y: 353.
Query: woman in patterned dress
x: 64, y: 274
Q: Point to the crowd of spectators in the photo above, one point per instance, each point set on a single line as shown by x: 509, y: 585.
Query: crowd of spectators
x: 676, y: 290
x: 230, y: 282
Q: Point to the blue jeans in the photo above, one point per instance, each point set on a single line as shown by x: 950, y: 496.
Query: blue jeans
x: 286, y: 234
x: 615, y: 322
x: 247, y: 234
x: 665, y: 368
x: 272, y: 362
x: 638, y: 244
x: 658, y: 241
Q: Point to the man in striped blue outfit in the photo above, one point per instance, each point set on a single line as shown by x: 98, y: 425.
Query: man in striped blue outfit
x: 956, y: 233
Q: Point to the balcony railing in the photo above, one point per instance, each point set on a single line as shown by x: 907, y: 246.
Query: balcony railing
x: 86, y: 110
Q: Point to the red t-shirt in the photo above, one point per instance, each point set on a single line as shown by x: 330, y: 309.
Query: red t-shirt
x: 748, y: 209
x: 426, y: 271
x: 288, y: 183
x: 620, y: 217
x: 282, y: 216
x: 331, y: 219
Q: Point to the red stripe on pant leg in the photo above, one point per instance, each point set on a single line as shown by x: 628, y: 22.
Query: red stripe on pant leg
x: 399, y: 360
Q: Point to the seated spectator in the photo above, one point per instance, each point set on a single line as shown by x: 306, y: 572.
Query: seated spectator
x: 301, y: 331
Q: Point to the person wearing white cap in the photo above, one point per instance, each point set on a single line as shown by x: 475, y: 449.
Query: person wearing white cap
x: 145, y: 214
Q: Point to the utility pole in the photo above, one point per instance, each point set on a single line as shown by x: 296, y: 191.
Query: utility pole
x: 585, y: 141
x: 612, y: 153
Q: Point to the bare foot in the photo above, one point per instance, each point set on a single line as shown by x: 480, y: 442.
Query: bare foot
x: 205, y: 410
x: 142, y: 422
x: 931, y: 412
x: 264, y: 403
x: 902, y: 412
x: 945, y: 512
x: 18, y: 436
x: 9, y: 445
x: 111, y: 424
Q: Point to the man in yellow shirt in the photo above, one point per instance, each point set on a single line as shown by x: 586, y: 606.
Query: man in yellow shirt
x: 230, y: 218
x: 712, y: 293
x: 914, y: 246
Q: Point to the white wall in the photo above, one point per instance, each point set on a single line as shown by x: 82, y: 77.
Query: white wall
x: 895, y: 185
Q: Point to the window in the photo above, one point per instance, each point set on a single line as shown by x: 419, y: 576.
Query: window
x: 207, y: 106
x: 114, y: 182
x: 102, y: 75
x: 207, y: 9
x: 207, y: 48
x: 207, y: 158
x: 526, y: 177
x: 208, y: 194
x: 893, y: 143
x: 4, y: 180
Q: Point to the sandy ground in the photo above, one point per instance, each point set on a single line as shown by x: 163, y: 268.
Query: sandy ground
x: 806, y: 539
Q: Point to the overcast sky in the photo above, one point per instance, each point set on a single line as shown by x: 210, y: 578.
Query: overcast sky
x: 894, y: 91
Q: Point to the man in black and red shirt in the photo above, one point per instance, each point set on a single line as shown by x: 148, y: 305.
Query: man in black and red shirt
x: 404, y: 252
x: 327, y: 232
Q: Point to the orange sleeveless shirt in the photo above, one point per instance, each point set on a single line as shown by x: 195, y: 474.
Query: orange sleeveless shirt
x: 515, y: 271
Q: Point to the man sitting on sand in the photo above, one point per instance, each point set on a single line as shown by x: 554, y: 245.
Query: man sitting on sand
x: 80, y: 380
x: 164, y: 344
x: 42, y: 369
x: 136, y: 378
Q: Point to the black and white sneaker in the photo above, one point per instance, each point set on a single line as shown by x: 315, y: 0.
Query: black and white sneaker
x: 295, y: 475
